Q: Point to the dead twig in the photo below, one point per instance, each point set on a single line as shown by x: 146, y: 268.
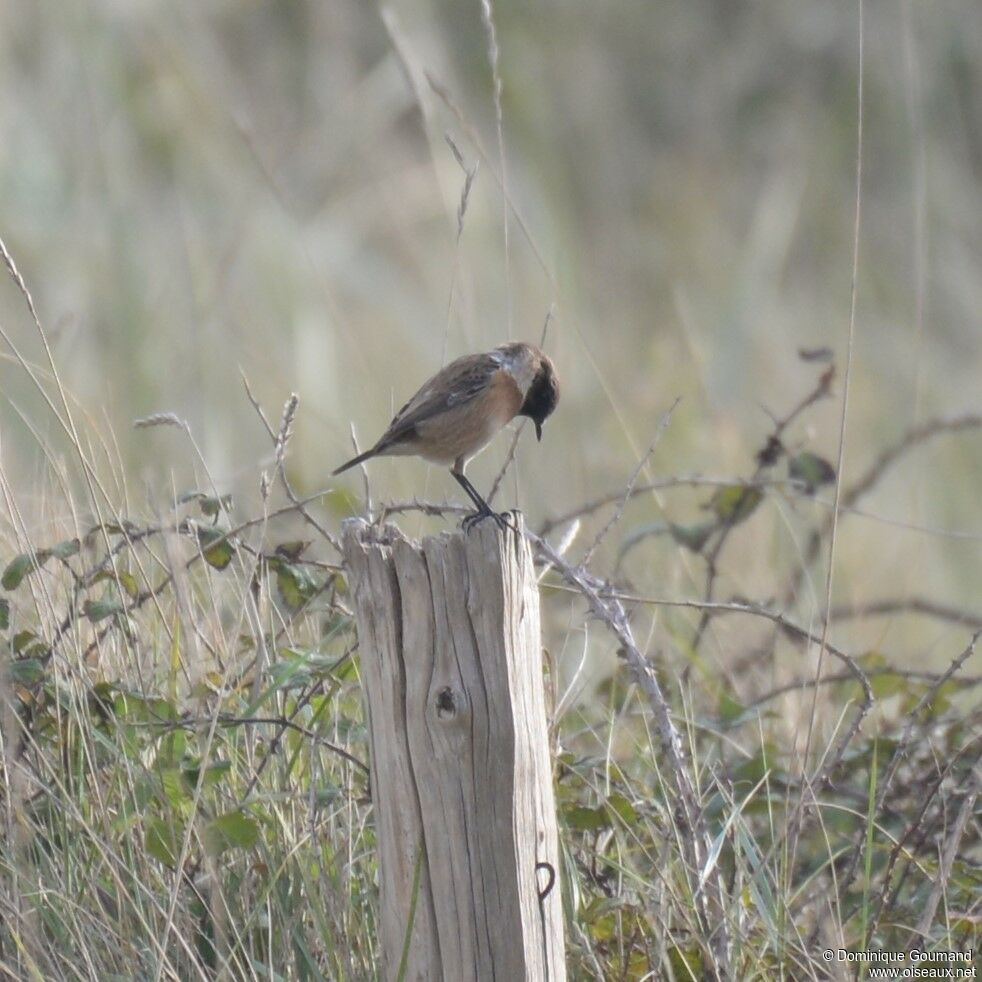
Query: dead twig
x: 281, y: 438
x: 807, y: 683
x: 913, y: 605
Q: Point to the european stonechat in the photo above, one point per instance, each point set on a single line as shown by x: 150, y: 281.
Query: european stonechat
x: 456, y: 413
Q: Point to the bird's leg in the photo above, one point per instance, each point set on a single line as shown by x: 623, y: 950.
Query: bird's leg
x: 483, y: 508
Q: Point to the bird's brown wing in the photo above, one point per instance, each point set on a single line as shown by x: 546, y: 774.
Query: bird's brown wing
x: 454, y: 385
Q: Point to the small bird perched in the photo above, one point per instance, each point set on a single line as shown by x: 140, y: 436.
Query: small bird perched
x: 456, y: 413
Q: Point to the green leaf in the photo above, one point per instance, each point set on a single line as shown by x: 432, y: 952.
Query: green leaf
x: 215, y: 547
x: 174, y: 785
x: 883, y: 683
x: 729, y: 709
x: 581, y: 818
x: 27, y: 671
x: 25, y: 563
x: 692, y: 536
x: 99, y: 610
x: 296, y: 583
x: 137, y: 708
x: 886, y: 684
x: 233, y: 830
x: 686, y: 963
x: 214, y: 772
x: 163, y: 840
x: 810, y: 471
x: 21, y: 640
x: 210, y: 505
x: 603, y: 928
x: 347, y: 671
x: 20, y: 566
x: 66, y: 549
x: 622, y: 808
x: 872, y: 660
x: 735, y: 503
x: 4, y: 614
x: 292, y: 550
x: 126, y: 580
x: 220, y: 554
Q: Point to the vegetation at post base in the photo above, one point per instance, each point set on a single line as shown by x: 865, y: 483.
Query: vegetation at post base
x: 185, y: 755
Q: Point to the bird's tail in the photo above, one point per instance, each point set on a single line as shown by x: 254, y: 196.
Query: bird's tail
x: 355, y: 461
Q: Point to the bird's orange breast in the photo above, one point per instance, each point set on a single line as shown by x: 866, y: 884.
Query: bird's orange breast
x: 463, y: 431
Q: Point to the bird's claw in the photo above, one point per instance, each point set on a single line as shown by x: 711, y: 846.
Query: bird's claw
x: 500, y: 519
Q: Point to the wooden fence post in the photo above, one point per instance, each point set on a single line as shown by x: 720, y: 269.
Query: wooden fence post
x: 448, y: 633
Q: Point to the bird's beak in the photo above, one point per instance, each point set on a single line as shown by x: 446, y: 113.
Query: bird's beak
x: 538, y: 431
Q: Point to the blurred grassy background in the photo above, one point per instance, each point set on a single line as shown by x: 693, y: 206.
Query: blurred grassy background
x: 191, y: 189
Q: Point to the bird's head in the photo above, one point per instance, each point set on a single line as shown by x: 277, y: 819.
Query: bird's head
x: 542, y: 394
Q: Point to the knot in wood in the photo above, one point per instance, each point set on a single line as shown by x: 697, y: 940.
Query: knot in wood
x: 447, y: 703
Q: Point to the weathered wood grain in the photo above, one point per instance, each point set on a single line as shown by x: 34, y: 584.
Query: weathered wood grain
x: 451, y: 662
